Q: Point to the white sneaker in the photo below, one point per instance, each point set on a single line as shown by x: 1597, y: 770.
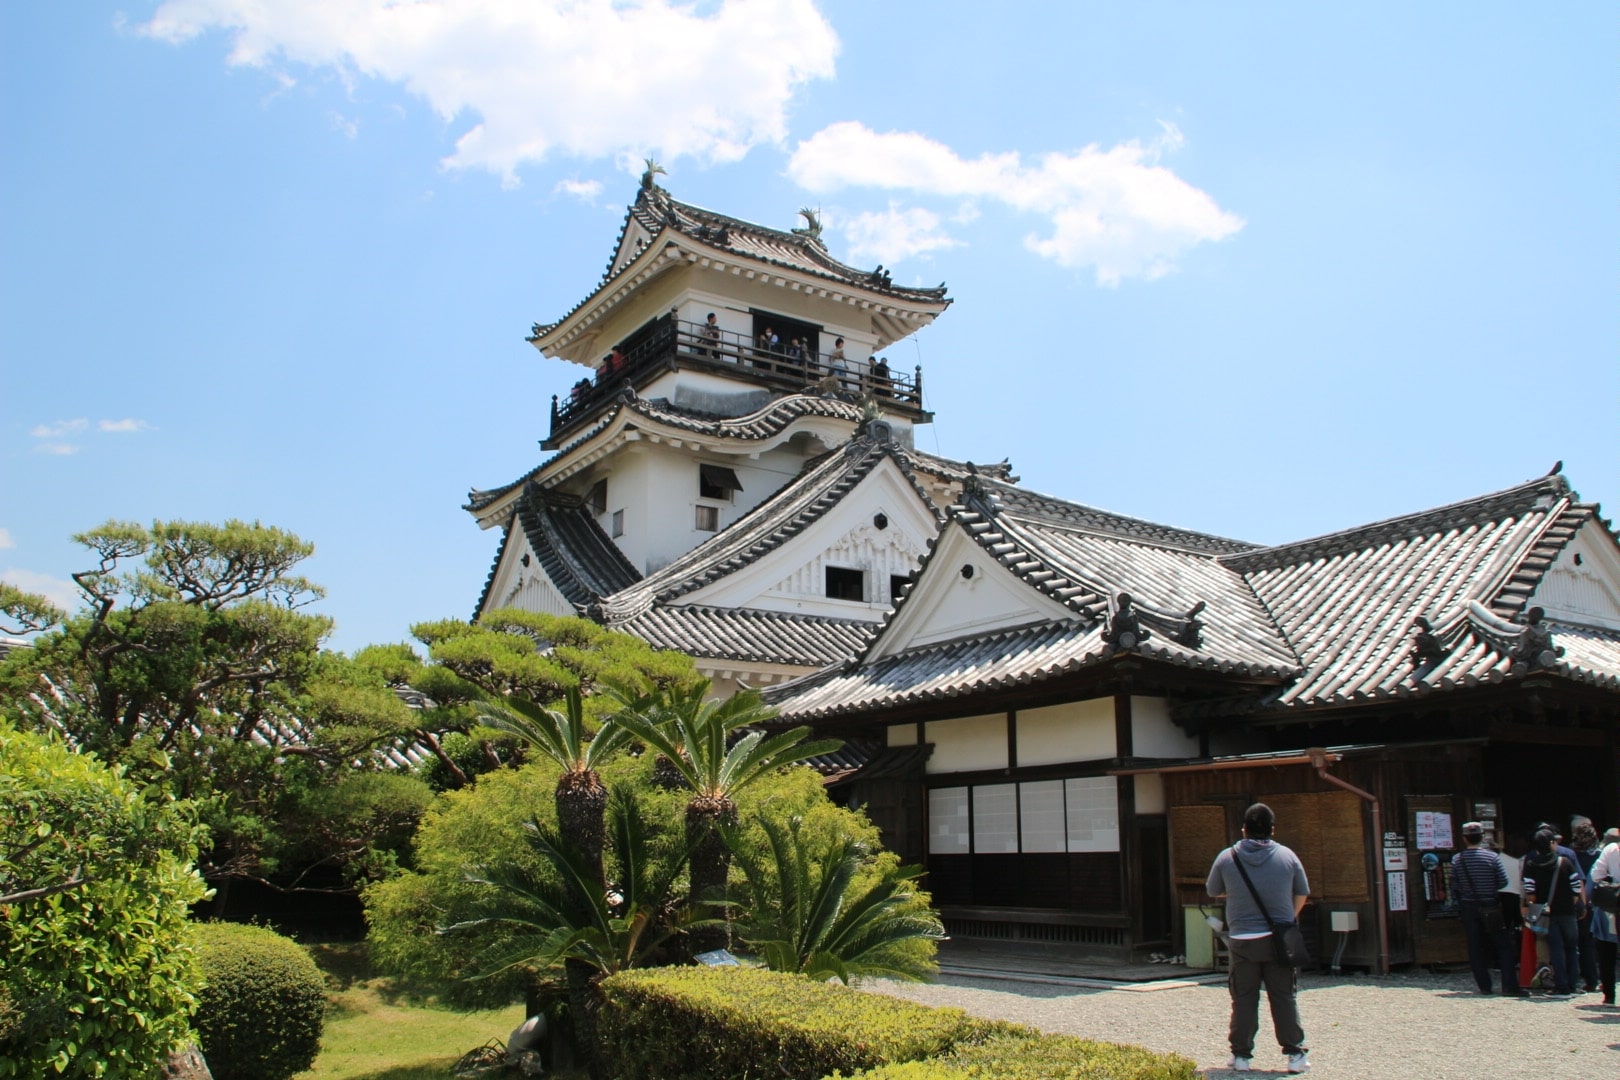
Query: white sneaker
x: 1239, y: 1064
x: 1298, y: 1063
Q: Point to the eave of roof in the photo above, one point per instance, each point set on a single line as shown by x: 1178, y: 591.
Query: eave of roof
x: 705, y: 231
x: 971, y: 667
x: 749, y: 635
x: 658, y: 416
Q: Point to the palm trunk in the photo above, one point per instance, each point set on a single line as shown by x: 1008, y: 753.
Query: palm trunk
x: 582, y: 1003
x: 710, y: 865
x: 581, y: 812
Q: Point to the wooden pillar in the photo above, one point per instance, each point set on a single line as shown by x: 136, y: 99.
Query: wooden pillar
x: 1130, y: 848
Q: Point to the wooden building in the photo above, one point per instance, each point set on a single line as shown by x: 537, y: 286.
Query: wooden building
x: 1058, y: 710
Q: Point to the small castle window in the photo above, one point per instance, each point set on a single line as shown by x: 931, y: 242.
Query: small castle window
x: 596, y: 498
x: 708, y: 519
x: 845, y: 584
x: 717, y: 482
x: 617, y: 528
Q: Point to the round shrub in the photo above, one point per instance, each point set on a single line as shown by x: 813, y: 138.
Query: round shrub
x: 262, y: 1006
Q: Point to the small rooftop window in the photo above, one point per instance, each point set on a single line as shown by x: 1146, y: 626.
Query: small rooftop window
x: 717, y: 482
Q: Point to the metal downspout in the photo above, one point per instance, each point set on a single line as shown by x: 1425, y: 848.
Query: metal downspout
x: 1319, y: 758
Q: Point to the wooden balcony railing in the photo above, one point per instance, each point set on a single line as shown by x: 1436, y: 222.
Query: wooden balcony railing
x: 675, y: 344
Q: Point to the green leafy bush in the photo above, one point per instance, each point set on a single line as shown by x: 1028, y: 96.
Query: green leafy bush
x: 484, y: 824
x: 262, y: 1007
x: 95, y: 955
x: 1042, y: 1057
x: 693, y: 1023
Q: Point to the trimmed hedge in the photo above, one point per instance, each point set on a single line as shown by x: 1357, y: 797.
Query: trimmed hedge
x: 261, y: 1011
x: 728, y: 1023
x: 1042, y: 1057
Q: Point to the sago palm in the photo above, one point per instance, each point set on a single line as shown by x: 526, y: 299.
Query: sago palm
x: 695, y: 735
x: 818, y: 914
x: 565, y: 919
x: 562, y: 738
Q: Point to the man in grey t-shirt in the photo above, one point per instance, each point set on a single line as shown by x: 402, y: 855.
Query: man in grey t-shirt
x: 1280, y: 881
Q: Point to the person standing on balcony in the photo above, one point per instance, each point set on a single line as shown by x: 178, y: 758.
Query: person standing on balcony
x: 764, y: 346
x: 711, y: 337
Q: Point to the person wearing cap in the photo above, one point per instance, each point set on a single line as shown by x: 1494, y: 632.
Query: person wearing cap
x: 1476, y: 878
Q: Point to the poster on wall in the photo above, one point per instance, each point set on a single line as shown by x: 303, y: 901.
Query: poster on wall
x: 1397, y: 891
x: 1433, y: 831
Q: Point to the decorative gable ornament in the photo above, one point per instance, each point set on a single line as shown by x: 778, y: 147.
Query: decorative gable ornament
x: 1535, y: 648
x: 1125, y: 630
x: 1427, y: 650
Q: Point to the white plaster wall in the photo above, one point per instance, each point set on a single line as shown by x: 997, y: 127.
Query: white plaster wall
x: 526, y: 588
x: 1154, y: 734
x: 1149, y: 793
x: 629, y: 482
x: 972, y: 742
x: 1583, y: 584
x: 945, y: 606
x: 1073, y: 731
x: 901, y: 735
x: 793, y: 577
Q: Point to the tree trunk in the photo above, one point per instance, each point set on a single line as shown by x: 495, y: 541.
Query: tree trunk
x: 581, y: 810
x: 582, y: 1007
x: 711, y: 863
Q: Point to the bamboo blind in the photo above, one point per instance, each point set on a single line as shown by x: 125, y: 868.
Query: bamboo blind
x: 1197, y: 835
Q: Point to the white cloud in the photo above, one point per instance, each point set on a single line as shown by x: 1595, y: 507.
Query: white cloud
x: 58, y: 428
x: 343, y: 125
x: 588, y: 78
x: 58, y: 449
x: 584, y: 190
x: 122, y: 427
x: 64, y: 594
x: 1117, y: 211
x: 895, y: 234
x: 5, y: 539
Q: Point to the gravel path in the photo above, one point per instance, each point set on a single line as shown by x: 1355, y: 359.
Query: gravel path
x: 1424, y: 1026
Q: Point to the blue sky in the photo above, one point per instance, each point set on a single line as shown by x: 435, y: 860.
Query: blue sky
x: 1262, y: 270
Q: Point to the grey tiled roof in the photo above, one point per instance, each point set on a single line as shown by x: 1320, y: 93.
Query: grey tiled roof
x: 772, y: 637
x: 578, y: 557
x: 1328, y: 621
x: 1081, y: 557
x: 799, y: 504
x: 1347, y: 601
x: 766, y: 423
x: 655, y: 211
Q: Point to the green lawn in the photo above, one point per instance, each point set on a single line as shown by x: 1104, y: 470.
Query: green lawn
x: 375, y: 1033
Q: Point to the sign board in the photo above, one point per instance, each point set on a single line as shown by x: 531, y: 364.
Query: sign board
x: 1434, y: 831
x: 1397, y: 891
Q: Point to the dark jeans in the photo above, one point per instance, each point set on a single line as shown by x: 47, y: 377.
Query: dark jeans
x: 1487, y: 949
x: 1253, y: 967
x: 1605, y: 961
x: 1586, y: 947
x: 1563, y: 938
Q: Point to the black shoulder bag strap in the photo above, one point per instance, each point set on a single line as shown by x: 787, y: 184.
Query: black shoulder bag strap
x: 1252, y: 890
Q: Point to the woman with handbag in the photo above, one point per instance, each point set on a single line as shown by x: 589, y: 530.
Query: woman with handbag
x: 1605, y: 878
x: 1553, y: 896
